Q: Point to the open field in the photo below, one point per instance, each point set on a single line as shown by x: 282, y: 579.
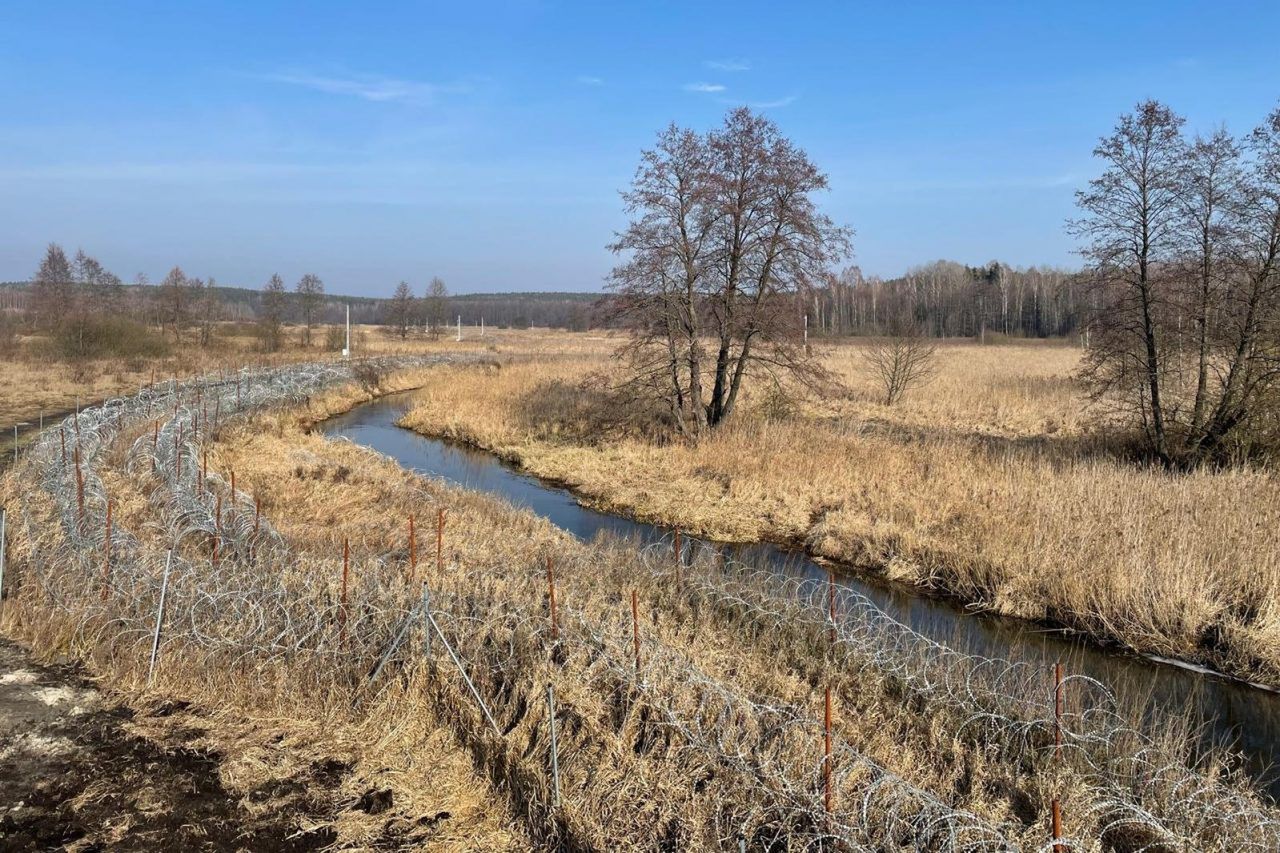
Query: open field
x: 34, y: 385
x: 984, y: 484
x: 713, y: 732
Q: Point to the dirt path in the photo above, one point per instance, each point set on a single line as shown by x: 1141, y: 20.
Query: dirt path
x: 72, y: 777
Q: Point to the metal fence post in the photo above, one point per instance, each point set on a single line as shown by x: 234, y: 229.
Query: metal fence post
x: 164, y: 594
x: 457, y: 661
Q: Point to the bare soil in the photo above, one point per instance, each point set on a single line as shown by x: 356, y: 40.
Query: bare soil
x: 74, y: 777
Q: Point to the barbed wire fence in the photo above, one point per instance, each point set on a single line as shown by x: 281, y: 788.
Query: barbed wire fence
x: 735, y: 767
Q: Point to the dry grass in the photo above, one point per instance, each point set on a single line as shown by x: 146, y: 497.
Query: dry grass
x: 985, y: 484
x: 35, y: 386
x: 648, y: 762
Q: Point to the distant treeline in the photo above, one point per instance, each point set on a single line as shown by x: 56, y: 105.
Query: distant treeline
x: 948, y: 299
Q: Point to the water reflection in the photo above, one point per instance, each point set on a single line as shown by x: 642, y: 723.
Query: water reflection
x: 1233, y: 713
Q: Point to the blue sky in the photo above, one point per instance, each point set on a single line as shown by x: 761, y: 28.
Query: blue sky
x: 487, y: 142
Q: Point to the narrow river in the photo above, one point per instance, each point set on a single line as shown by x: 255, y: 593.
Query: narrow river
x: 1236, y: 714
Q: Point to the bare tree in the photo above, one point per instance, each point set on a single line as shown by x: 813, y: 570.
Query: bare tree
x: 1184, y: 245
x: 724, y: 241
x: 175, y: 302
x: 401, y: 309
x: 272, y: 316
x: 437, y: 306
x: 310, y: 291
x: 902, y: 360
x: 53, y: 288
x: 1129, y: 224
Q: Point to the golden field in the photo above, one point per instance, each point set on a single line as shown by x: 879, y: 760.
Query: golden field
x: 987, y: 484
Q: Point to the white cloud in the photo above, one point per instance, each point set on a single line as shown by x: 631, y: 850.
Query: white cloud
x: 587, y: 80
x: 728, y: 64
x: 369, y: 87
x: 774, y: 104
x: 703, y: 87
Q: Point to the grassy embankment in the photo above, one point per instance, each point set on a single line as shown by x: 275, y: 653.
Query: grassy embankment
x: 986, y: 484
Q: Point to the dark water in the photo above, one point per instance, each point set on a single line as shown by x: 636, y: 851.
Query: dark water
x: 1236, y: 714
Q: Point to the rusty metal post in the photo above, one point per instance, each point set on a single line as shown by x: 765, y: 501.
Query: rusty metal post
x: 217, y: 515
x: 1057, y: 827
x: 155, y: 444
x: 635, y: 628
x: 63, y: 432
x: 551, y: 598
x: 177, y: 452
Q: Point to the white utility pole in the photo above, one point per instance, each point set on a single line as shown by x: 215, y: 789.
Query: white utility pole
x: 346, y: 351
x: 459, y: 328
x: 482, y: 325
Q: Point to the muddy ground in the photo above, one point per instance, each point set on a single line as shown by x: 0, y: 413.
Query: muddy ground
x: 74, y: 775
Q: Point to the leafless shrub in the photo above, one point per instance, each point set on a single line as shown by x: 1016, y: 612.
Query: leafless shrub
x: 903, y: 360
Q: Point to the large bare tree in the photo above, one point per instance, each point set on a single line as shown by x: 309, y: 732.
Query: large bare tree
x: 53, y: 288
x: 1183, y: 239
x: 175, y: 302
x: 310, y: 291
x: 724, y: 239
